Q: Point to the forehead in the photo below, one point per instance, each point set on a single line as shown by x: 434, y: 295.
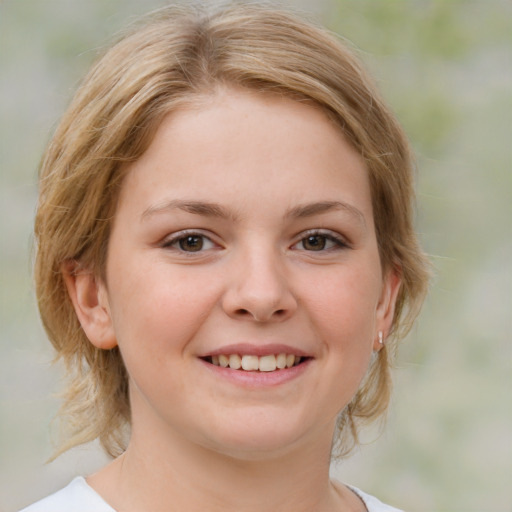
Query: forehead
x: 238, y: 144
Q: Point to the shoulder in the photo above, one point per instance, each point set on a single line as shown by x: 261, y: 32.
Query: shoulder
x: 372, y: 503
x: 77, y: 495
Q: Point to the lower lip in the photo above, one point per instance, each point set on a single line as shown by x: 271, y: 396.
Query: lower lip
x: 256, y: 379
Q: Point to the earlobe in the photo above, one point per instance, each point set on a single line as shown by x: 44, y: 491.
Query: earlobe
x: 386, y: 307
x: 90, y: 300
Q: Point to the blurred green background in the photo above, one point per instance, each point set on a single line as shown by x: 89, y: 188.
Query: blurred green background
x: 445, y: 66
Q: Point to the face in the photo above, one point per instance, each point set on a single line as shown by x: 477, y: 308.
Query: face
x: 244, y: 236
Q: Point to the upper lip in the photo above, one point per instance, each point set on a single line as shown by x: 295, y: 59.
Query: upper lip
x: 256, y: 350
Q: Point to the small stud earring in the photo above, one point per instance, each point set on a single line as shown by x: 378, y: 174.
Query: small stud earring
x: 381, y: 338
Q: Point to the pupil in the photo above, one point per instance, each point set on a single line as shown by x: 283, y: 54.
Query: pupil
x: 314, y: 243
x: 191, y: 243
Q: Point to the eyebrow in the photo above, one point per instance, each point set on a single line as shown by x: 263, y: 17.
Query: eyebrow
x: 207, y: 209
x: 311, y: 209
x: 202, y: 208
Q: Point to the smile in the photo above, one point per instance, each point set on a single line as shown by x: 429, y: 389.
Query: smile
x: 253, y: 363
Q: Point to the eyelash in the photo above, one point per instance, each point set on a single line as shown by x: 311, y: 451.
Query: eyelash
x: 168, y: 243
x: 340, y: 243
x: 174, y: 242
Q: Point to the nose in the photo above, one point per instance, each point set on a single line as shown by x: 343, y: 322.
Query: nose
x: 259, y: 289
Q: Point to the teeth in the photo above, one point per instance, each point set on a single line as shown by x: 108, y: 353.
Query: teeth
x: 235, y: 361
x: 281, y: 361
x: 267, y: 363
x: 250, y: 363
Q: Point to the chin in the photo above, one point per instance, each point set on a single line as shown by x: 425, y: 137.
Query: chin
x: 255, y: 450
x: 259, y: 437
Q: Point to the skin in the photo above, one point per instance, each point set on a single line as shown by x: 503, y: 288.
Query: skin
x: 283, y: 182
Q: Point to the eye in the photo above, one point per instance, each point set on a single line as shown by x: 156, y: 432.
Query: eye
x: 316, y: 241
x: 189, y: 242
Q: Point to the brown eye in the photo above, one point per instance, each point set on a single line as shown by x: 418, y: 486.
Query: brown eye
x: 321, y: 242
x: 191, y: 243
x: 314, y: 243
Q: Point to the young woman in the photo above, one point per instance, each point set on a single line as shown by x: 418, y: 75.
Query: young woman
x: 226, y: 262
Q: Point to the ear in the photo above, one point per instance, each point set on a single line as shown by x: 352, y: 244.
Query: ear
x: 90, y: 300
x: 386, y: 307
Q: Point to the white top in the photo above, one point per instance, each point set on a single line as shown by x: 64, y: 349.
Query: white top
x: 78, y: 496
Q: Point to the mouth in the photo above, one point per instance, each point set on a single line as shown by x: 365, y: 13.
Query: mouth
x: 253, y: 363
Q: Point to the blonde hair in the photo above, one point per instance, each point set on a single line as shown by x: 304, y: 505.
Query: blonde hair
x: 174, y: 56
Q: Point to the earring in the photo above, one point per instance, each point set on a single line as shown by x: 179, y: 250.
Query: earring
x: 381, y: 338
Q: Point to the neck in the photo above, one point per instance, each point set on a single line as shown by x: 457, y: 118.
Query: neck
x: 185, y: 476
x: 165, y: 469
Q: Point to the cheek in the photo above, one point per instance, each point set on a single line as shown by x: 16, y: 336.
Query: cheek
x: 160, y: 307
x: 343, y: 306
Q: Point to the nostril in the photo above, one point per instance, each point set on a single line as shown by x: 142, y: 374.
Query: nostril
x: 279, y: 313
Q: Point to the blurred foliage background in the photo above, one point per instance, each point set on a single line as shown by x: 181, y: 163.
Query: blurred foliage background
x: 446, y: 68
